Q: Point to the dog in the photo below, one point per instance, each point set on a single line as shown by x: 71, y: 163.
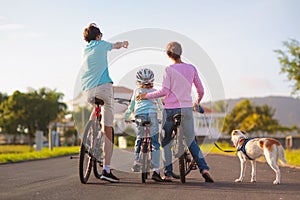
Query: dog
x: 251, y: 149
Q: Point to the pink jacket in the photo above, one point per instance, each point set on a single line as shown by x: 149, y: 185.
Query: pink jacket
x: 177, y: 86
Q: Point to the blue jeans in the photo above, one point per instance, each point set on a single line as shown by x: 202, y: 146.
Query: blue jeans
x: 154, y: 137
x: 187, y: 128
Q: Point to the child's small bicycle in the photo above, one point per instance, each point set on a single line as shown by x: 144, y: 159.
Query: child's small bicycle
x: 145, y: 149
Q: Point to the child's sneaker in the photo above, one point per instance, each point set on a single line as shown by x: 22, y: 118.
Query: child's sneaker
x: 176, y: 176
x: 156, y: 177
x: 136, y: 168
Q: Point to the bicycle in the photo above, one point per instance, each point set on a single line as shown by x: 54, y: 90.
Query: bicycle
x: 180, y: 150
x: 91, y: 149
x: 145, y: 149
x: 185, y: 160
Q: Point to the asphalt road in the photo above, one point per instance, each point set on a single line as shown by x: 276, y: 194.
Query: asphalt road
x: 57, y: 178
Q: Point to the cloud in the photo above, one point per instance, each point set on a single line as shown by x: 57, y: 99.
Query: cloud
x: 28, y: 35
x: 19, y: 30
x: 9, y: 27
x: 5, y: 26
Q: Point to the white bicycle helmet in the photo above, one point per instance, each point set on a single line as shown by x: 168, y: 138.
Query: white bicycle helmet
x: 145, y: 76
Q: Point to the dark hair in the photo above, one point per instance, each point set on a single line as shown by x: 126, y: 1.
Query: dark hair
x: 173, y: 55
x: 91, y: 32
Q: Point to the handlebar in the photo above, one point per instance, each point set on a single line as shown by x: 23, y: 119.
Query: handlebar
x: 122, y: 101
x: 129, y: 121
x: 199, y: 109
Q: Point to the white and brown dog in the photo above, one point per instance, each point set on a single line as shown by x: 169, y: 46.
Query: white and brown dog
x: 251, y: 149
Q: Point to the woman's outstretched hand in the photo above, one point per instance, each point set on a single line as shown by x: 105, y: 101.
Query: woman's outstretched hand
x: 141, y: 96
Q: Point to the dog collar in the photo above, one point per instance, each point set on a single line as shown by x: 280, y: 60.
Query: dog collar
x: 243, y: 148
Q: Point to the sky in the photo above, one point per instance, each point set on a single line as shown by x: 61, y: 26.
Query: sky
x: 41, y: 41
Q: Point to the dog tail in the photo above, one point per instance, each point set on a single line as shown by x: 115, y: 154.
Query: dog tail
x: 281, y: 155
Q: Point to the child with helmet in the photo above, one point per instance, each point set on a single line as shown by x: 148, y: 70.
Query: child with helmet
x: 145, y: 110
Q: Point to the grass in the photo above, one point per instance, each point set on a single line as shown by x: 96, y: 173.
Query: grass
x: 15, y: 149
x: 293, y: 156
x: 15, y: 153
x: 211, y: 148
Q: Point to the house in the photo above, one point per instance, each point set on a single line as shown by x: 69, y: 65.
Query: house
x: 207, y: 124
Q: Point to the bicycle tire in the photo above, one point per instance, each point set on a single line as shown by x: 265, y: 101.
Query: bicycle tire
x: 188, y: 163
x: 97, y: 168
x: 85, y: 159
x: 181, y: 158
x: 113, y: 139
x: 98, y: 163
x: 144, y: 167
x: 182, y: 169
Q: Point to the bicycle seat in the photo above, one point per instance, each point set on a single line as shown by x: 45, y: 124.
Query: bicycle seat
x: 177, y: 119
x: 146, y: 123
x: 96, y: 101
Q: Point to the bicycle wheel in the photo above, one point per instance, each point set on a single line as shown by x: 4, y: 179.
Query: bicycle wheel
x: 85, y: 157
x: 144, y: 167
x: 181, y: 158
x: 98, y: 167
x: 113, y: 136
x: 190, y: 163
x: 182, y: 169
x: 98, y: 163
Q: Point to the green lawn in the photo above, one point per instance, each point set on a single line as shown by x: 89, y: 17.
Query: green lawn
x: 9, y: 153
x: 293, y: 157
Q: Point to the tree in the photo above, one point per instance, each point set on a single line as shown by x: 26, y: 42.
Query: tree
x: 249, y: 117
x: 3, y: 97
x: 290, y: 62
x: 31, y: 111
x: 12, y: 114
x: 237, y: 115
x: 81, y: 116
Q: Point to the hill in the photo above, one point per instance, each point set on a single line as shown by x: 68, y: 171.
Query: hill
x: 287, y: 109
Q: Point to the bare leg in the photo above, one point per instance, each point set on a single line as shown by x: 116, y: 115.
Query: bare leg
x: 108, y: 145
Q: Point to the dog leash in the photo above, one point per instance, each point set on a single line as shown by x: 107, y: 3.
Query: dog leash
x: 226, y: 151
x: 201, y: 110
